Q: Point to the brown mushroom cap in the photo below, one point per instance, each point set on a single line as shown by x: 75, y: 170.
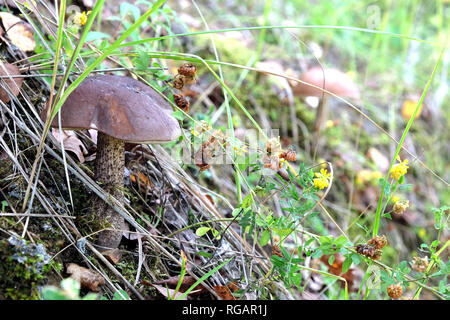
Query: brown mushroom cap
x: 120, y: 107
x: 12, y: 85
x: 336, y: 82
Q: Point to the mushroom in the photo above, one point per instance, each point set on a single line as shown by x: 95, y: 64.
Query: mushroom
x: 331, y: 80
x: 12, y: 84
x: 122, y: 109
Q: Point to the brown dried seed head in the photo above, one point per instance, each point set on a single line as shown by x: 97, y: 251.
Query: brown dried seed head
x: 378, y: 242
x: 395, y: 291
x: 420, y: 264
x: 178, y: 82
x: 181, y: 102
x: 369, y: 251
x: 377, y: 254
x: 271, y: 162
x: 289, y: 155
x: 400, y: 206
x: 276, y: 250
x: 218, y: 136
x: 188, y: 70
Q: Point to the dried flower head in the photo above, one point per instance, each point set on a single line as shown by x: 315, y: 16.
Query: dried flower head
x: 181, y: 102
x: 369, y: 251
x: 395, y: 291
x: 276, y: 250
x: 187, y: 70
x: 400, y: 206
x: 378, y: 242
x: 219, y: 137
x: 273, y: 145
x: 271, y: 162
x: 178, y: 82
x: 420, y: 264
x: 399, y: 169
x: 289, y: 155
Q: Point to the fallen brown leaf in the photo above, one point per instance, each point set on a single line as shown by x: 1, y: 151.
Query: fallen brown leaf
x: 113, y: 255
x: 225, y: 292
x: 13, y: 85
x: 71, y: 143
x: 87, y: 278
x: 19, y: 32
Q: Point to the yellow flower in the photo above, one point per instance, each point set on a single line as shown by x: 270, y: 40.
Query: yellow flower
x: 394, y: 199
x: 329, y: 124
x: 323, y: 173
x: 80, y: 18
x: 408, y: 108
x: 321, y: 183
x: 399, y: 169
x: 200, y: 127
x: 322, y: 179
x: 240, y: 150
x: 27, y: 5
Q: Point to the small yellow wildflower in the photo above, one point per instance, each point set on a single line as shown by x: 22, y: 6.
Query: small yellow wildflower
x: 200, y: 127
x: 322, y: 179
x: 399, y: 169
x: 80, y: 18
x: 422, y: 233
x: 240, y: 150
x: 27, y: 5
x: 323, y: 162
x: 394, y: 199
x: 329, y: 124
x: 408, y: 108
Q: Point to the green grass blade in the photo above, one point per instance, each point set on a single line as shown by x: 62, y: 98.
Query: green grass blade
x: 395, y: 35
x: 203, y: 278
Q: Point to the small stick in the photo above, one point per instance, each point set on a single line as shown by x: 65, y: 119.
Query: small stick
x: 9, y: 214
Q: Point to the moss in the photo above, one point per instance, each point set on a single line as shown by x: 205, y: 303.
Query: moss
x: 23, y: 269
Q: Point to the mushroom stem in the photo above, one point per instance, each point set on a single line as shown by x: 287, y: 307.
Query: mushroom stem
x: 109, y: 172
